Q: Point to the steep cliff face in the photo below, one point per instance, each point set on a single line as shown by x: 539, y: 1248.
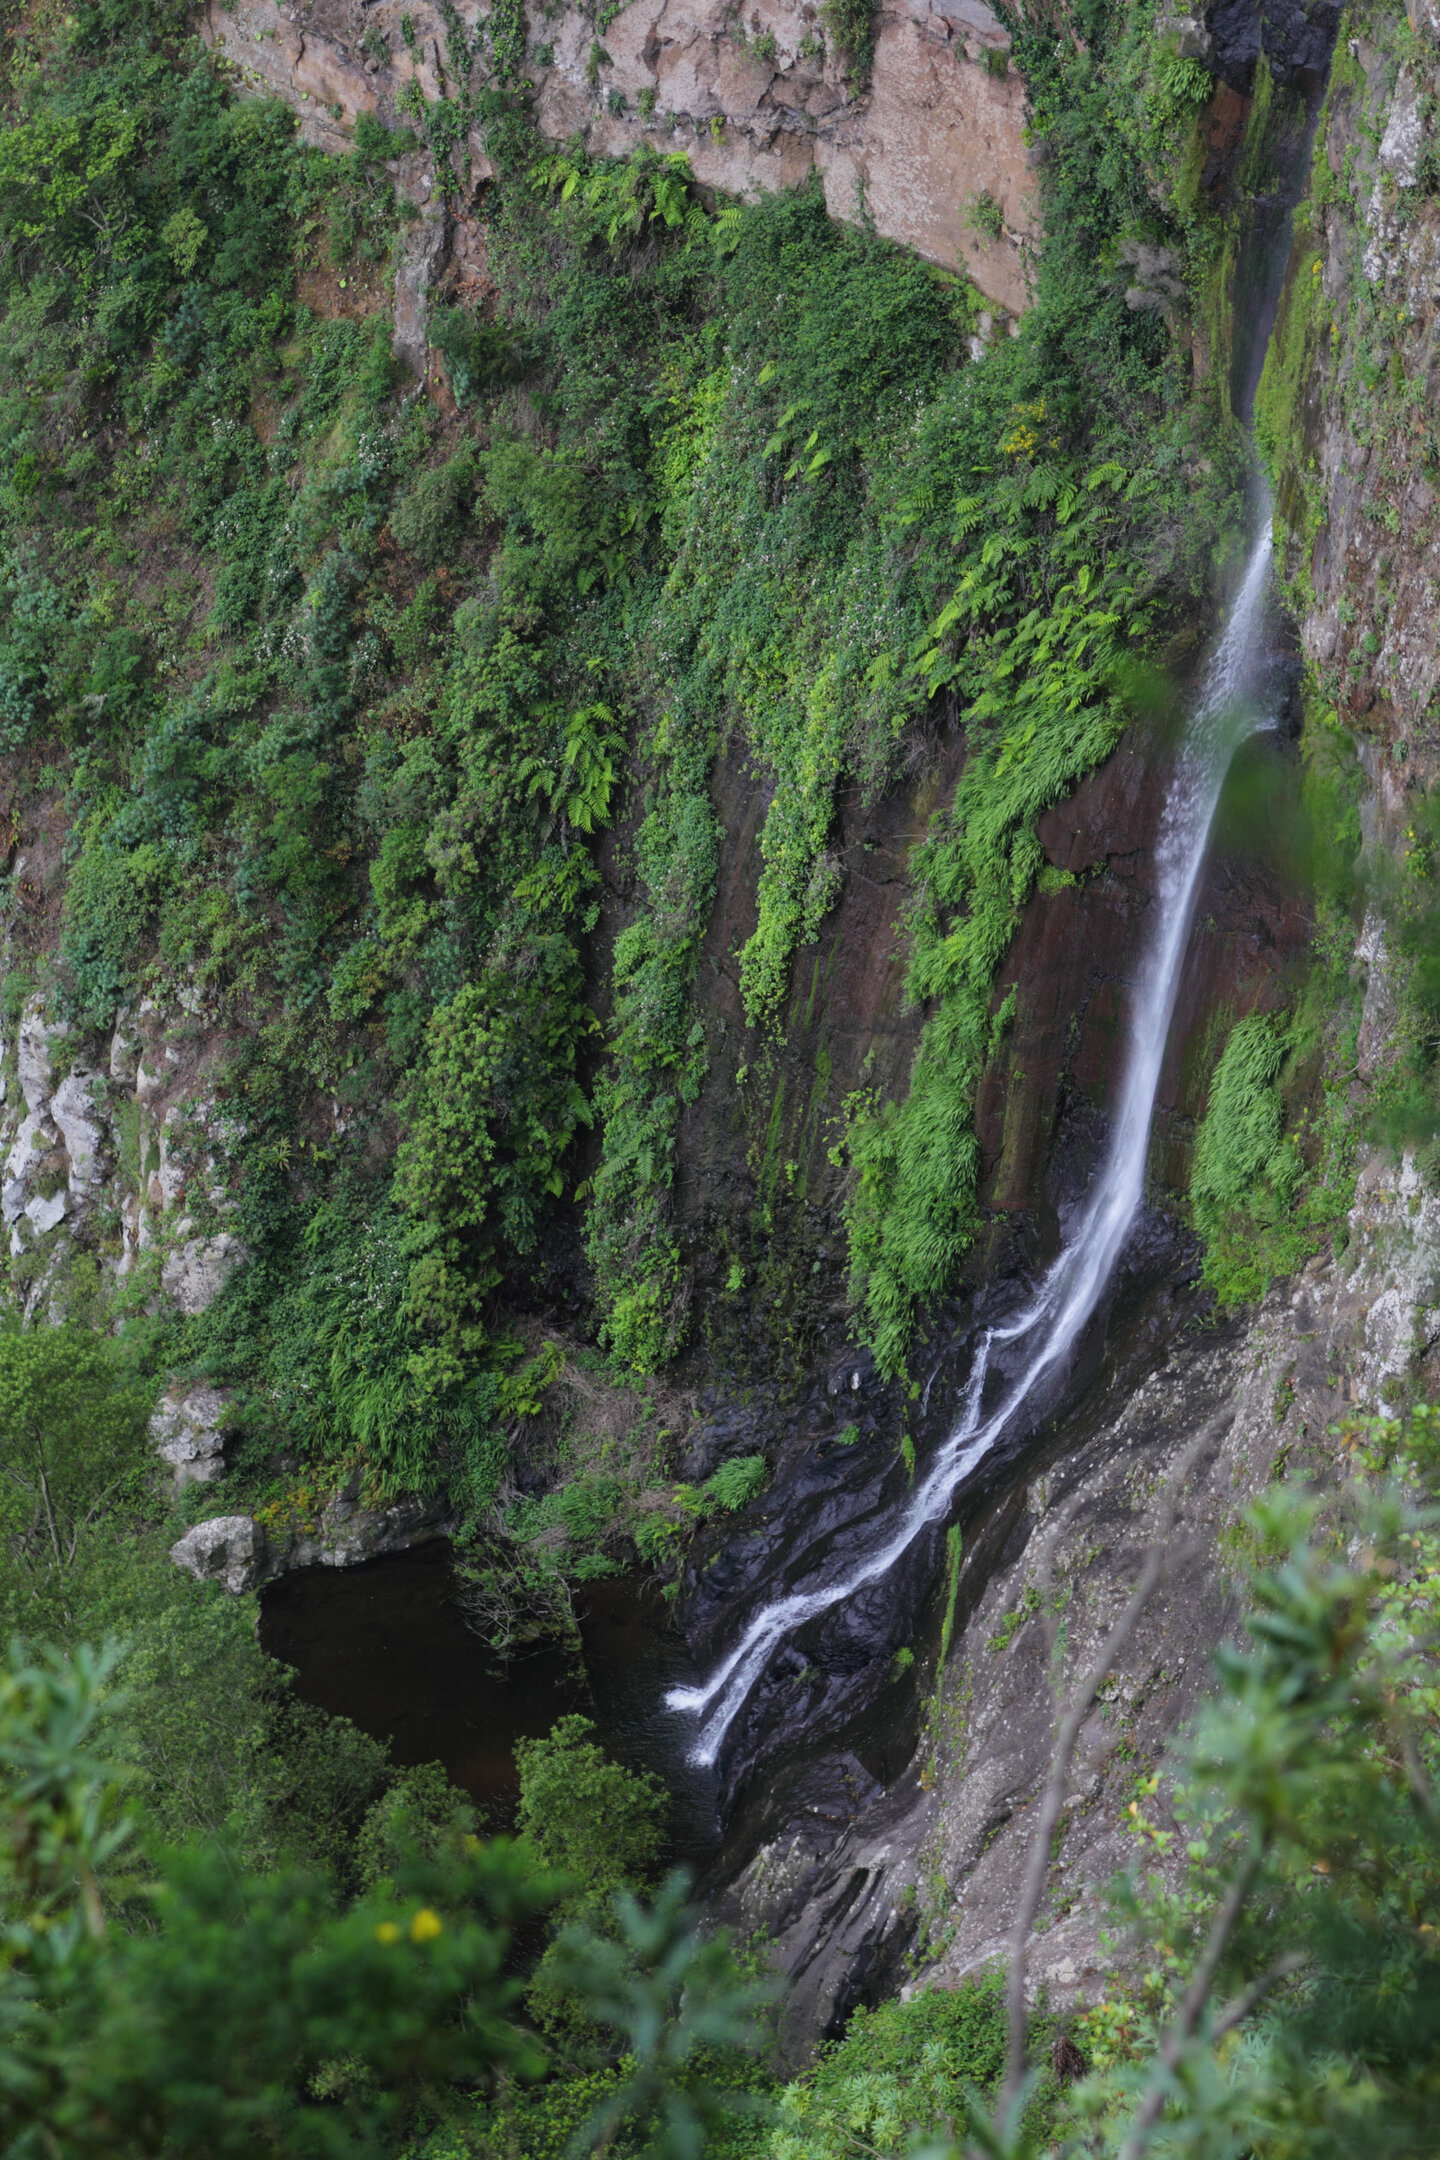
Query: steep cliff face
x: 1187, y: 1417
x: 434, y: 616
x: 133, y: 1146
x: 910, y: 138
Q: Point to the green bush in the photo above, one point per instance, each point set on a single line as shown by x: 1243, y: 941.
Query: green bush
x: 602, y: 1828
x: 1247, y: 1175
x: 596, y: 1823
x: 736, y: 1483
x: 559, y: 529
x: 422, y: 1815
x: 73, y: 1443
x: 479, y: 355
x: 850, y: 28
x: 112, y: 902
x: 898, y: 2071
x: 1237, y: 1147
x: 429, y: 516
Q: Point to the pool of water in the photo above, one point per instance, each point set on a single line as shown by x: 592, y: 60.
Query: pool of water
x: 386, y: 1646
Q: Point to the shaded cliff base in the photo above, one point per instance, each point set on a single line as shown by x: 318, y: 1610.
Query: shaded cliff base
x: 920, y: 1885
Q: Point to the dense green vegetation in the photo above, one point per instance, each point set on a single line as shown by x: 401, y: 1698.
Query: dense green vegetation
x: 331, y: 694
x: 905, y: 2067
x: 340, y: 771
x: 163, y: 2000
x: 1278, y: 1992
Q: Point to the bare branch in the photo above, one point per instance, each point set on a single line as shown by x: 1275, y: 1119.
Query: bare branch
x: 1236, y: 2012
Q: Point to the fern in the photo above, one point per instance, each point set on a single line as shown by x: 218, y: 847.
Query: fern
x: 736, y: 1483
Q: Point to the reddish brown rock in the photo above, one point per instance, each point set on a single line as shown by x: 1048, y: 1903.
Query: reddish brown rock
x: 754, y: 101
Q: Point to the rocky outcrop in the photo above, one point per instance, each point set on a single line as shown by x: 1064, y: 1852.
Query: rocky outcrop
x: 188, y: 1432
x: 754, y: 99
x: 125, y: 1156
x: 1363, y: 517
x: 1296, y: 37
x: 240, y: 1552
x: 229, y: 1549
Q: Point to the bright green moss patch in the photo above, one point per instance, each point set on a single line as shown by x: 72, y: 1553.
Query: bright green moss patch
x: 1273, y: 1172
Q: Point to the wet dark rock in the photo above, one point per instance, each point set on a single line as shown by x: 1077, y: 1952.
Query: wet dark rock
x: 1181, y: 1411
x: 841, y: 1675
x: 732, y: 1430
x: 825, y: 1855
x: 1234, y: 27
x: 831, y: 1903
x: 1296, y: 36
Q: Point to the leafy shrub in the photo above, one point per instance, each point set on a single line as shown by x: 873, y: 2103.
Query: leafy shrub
x: 1246, y: 1174
x: 111, y: 902
x: 850, y: 28
x: 422, y: 1816
x: 72, y: 1437
x: 427, y: 520
x: 480, y: 355
x: 559, y: 528
x: 36, y: 617
x: 494, y: 1109
x: 1238, y: 1144
x: 898, y: 2070
x: 599, y: 1824
x: 985, y: 217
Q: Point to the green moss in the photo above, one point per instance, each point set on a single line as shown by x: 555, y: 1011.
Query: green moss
x: 1286, y: 403
x: 952, y: 1593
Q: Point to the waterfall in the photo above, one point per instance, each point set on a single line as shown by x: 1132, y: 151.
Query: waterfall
x: 1226, y: 711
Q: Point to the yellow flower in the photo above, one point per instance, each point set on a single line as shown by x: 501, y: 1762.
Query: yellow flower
x: 426, y: 1925
x: 387, y: 1932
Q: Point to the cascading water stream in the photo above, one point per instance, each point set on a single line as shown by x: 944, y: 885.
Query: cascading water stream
x: 1226, y: 711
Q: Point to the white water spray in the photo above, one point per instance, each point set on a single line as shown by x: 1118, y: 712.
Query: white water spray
x: 1225, y: 713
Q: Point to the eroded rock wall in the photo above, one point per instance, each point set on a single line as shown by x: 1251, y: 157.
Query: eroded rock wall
x: 123, y: 1159
x: 753, y: 98
x: 1192, y: 1418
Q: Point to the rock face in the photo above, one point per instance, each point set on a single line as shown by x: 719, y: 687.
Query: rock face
x: 188, y: 1432
x: 754, y: 100
x: 229, y: 1549
x: 1296, y: 37
x: 1364, y: 519
x: 128, y: 1161
x: 855, y: 1867
x: 240, y: 1553
x: 897, y: 1842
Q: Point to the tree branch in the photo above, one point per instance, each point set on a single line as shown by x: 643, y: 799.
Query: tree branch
x: 1236, y: 2012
